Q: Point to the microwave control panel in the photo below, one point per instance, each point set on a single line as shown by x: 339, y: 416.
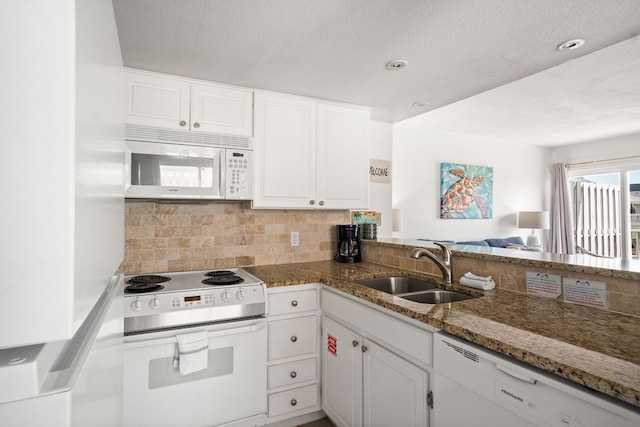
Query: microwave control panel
x: 238, y: 175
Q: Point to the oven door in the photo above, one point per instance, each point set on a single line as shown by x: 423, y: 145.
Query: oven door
x: 232, y: 388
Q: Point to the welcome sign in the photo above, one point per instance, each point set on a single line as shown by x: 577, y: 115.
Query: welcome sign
x: 380, y: 171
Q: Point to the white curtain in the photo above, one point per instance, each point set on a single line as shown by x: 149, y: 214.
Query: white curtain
x: 561, y: 216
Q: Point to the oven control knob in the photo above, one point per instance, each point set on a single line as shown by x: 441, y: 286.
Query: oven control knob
x: 240, y: 295
x: 154, y: 303
x: 225, y: 296
x: 136, y: 305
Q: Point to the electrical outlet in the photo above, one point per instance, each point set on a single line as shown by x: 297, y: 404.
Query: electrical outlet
x: 295, y: 238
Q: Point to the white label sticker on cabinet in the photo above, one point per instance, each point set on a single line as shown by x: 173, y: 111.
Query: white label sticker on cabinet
x: 585, y: 292
x: 543, y: 284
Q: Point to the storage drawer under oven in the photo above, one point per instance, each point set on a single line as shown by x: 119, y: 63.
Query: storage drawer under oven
x: 292, y: 337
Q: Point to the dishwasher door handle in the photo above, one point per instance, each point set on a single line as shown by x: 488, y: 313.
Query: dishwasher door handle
x: 516, y: 375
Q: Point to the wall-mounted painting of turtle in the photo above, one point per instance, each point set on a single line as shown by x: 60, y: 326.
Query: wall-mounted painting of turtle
x: 466, y: 191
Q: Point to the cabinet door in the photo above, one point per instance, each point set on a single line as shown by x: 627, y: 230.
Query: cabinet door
x: 395, y: 391
x: 157, y: 101
x: 342, y: 374
x: 220, y: 109
x: 285, y: 138
x: 343, y: 157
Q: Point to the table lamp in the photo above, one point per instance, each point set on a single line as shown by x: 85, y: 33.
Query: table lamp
x: 533, y: 220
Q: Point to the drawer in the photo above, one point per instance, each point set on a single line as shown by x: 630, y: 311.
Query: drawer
x: 293, y: 400
x: 293, y: 302
x: 292, y: 373
x: 293, y: 337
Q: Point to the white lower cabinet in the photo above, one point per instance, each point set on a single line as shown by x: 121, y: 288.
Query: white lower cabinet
x: 293, y: 365
x: 367, y: 380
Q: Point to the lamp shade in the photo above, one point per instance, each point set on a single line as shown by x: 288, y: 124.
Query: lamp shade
x: 533, y: 219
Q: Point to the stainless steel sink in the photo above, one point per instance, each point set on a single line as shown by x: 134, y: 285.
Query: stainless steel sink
x: 397, y: 284
x: 437, y: 297
x: 413, y: 289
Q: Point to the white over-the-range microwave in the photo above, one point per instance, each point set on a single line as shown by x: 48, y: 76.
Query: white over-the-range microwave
x: 157, y: 170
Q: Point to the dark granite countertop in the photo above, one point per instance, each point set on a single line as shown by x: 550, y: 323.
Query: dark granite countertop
x: 594, y: 348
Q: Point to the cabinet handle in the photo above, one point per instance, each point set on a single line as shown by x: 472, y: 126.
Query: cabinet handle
x: 294, y: 402
x: 293, y: 374
x: 312, y: 202
x: 196, y: 125
x: 355, y: 343
x: 364, y: 348
x: 294, y: 303
x: 321, y: 202
x: 183, y: 123
x: 294, y: 338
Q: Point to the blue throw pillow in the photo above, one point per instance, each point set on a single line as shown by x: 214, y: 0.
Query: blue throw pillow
x: 517, y: 240
x: 497, y: 243
x: 474, y: 243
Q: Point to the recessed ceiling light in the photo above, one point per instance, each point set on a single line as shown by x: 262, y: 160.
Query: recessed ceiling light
x: 396, y: 64
x: 420, y: 103
x: 571, y: 44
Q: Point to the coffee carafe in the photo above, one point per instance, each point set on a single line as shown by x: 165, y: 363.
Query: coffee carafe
x: 348, y: 243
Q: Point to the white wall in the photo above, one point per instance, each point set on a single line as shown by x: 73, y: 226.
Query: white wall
x: 379, y: 193
x: 521, y: 182
x: 612, y: 148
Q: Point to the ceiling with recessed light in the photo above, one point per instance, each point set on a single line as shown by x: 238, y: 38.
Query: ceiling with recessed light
x: 454, y: 51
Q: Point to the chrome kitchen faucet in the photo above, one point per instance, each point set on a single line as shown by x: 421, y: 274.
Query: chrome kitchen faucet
x: 443, y: 264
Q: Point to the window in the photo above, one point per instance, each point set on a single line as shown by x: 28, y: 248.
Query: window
x: 606, y: 201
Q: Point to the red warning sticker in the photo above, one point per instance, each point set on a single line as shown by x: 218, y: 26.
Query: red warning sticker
x: 332, y: 345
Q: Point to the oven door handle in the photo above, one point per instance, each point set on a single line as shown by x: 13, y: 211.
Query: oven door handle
x: 142, y: 340
x: 261, y: 324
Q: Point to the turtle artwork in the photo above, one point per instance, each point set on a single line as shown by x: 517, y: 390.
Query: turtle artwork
x: 466, y: 191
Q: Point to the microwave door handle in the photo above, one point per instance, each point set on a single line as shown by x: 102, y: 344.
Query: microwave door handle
x: 222, y: 174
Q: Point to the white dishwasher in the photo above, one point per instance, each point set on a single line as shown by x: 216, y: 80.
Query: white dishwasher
x: 477, y: 387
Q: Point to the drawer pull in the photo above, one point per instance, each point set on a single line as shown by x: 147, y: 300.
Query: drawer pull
x: 294, y: 338
x: 183, y: 123
x: 294, y: 402
x: 294, y: 303
x: 364, y: 348
x: 355, y: 343
x: 293, y: 374
x: 196, y: 125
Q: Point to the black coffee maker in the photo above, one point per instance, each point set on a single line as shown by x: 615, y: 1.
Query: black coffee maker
x: 348, y: 243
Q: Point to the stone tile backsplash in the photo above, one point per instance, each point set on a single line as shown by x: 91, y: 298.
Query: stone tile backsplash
x: 163, y: 237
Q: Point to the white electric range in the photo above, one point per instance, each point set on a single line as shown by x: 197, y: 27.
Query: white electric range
x: 228, y: 308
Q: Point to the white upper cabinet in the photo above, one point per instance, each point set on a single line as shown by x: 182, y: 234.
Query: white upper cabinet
x: 310, y: 155
x: 342, y: 157
x: 219, y: 109
x: 157, y: 101
x: 285, y: 133
x: 175, y: 103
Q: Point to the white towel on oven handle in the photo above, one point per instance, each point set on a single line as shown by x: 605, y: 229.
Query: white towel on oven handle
x: 193, y: 352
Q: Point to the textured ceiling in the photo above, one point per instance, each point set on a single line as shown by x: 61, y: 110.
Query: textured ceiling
x: 337, y: 50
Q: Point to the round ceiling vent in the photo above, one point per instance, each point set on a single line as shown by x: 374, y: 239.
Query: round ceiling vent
x: 396, y: 64
x: 571, y: 44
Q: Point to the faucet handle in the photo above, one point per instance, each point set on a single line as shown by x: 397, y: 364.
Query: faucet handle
x: 446, y: 252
